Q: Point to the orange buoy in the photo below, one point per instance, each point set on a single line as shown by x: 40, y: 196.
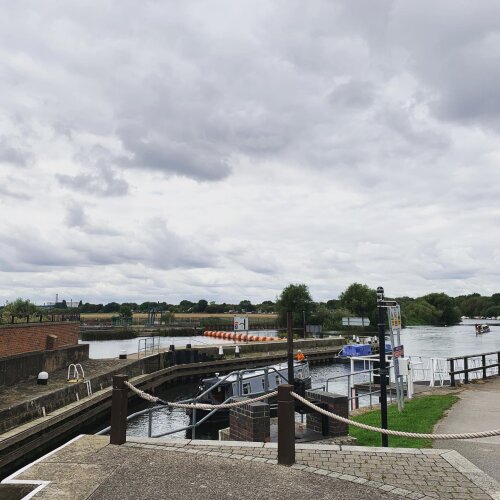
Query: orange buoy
x: 238, y: 336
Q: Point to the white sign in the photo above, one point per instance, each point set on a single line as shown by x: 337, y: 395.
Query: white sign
x: 394, y: 317
x: 240, y: 324
x: 353, y: 321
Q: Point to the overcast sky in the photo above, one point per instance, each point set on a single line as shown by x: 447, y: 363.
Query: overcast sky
x: 221, y: 150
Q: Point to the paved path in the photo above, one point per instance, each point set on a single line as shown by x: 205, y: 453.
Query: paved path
x: 89, y: 468
x: 477, y: 410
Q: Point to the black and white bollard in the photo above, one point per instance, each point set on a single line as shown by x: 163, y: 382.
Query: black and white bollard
x: 43, y: 378
x: 123, y: 355
x: 221, y: 352
x: 237, y: 351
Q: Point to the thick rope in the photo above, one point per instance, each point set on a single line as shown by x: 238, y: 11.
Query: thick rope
x: 389, y: 432
x: 197, y: 406
x: 470, y: 435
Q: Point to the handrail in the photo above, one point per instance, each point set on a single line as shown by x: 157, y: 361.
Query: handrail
x: 194, y: 399
x: 473, y: 355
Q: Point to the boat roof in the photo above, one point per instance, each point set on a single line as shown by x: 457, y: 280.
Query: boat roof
x: 255, y: 373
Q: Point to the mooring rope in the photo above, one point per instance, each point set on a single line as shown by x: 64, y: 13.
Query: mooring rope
x: 198, y: 406
x: 389, y: 432
x: 469, y: 435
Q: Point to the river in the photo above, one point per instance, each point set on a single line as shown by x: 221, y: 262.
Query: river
x: 425, y: 341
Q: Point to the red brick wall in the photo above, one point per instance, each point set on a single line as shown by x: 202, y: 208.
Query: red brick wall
x: 31, y: 337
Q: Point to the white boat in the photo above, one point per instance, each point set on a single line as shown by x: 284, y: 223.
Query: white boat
x: 480, y: 329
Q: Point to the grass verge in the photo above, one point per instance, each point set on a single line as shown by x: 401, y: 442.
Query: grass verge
x: 419, y: 415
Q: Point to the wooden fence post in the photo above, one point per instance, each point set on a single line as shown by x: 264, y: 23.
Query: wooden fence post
x: 286, y: 425
x: 119, y: 400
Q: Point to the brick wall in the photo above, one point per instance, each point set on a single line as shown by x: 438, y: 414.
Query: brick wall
x: 334, y: 403
x: 32, y: 337
x: 249, y: 422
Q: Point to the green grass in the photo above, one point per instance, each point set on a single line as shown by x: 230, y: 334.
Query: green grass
x: 419, y: 415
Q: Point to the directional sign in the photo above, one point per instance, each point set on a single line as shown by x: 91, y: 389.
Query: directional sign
x: 355, y: 321
x: 240, y: 324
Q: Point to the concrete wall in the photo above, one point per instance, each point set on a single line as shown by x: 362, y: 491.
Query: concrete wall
x: 19, y: 367
x: 30, y: 337
x: 29, y: 410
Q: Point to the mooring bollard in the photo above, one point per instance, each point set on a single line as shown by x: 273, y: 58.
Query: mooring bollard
x: 286, y: 425
x: 237, y: 352
x: 119, y: 400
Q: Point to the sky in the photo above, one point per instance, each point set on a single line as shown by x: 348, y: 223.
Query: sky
x: 164, y: 150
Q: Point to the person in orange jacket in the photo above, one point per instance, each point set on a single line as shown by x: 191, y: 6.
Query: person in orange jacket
x: 299, y: 356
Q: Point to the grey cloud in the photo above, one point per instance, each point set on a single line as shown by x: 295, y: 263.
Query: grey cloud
x: 7, y: 191
x: 12, y: 153
x: 171, y: 157
x: 353, y: 94
x: 102, y: 183
x: 75, y: 216
x: 454, y: 51
x: 167, y: 250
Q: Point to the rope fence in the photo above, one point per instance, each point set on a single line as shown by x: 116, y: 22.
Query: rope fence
x: 198, y: 406
x: 389, y: 432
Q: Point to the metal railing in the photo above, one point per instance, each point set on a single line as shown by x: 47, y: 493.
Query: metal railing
x: 353, y: 396
x: 148, y: 346
x: 467, y: 368
x: 39, y: 318
x: 239, y: 379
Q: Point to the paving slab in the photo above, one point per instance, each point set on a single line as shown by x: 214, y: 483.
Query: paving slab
x: 90, y: 468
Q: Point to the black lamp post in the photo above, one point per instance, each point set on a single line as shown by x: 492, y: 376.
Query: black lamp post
x: 382, y: 364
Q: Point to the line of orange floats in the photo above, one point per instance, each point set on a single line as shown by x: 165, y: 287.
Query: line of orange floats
x: 238, y: 337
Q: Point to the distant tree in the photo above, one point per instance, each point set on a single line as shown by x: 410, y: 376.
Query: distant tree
x: 201, y: 306
x: 246, y: 306
x: 449, y: 313
x: 133, y: 306
x: 297, y: 299
x: 268, y: 306
x: 125, y: 311
x: 360, y: 300
x: 186, y: 306
x: 419, y: 312
x: 493, y: 311
x: 332, y: 303
x: 111, y: 307
x: 19, y: 308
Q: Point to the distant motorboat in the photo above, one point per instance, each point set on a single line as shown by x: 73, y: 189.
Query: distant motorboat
x: 480, y: 329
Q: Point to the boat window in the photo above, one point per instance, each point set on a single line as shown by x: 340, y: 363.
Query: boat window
x: 300, y: 375
x: 246, y: 388
x: 263, y: 384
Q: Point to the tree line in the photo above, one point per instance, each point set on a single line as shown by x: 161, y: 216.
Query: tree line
x: 357, y: 300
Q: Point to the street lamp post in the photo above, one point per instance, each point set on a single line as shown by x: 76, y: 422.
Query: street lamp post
x: 382, y: 364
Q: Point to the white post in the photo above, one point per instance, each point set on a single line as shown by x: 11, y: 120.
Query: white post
x: 409, y: 382
x: 433, y: 369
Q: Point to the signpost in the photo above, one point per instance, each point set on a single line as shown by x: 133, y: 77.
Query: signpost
x: 382, y: 364
x: 240, y: 324
x: 394, y: 317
